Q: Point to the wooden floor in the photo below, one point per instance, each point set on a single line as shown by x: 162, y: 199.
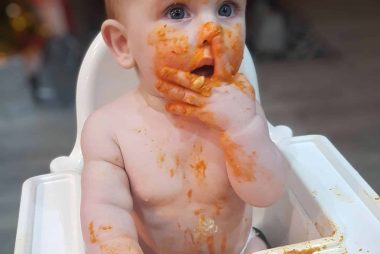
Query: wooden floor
x: 337, y: 97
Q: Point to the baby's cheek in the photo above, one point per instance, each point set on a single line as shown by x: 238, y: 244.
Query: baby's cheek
x: 174, y: 54
x: 234, y: 43
x: 166, y: 58
x: 172, y: 48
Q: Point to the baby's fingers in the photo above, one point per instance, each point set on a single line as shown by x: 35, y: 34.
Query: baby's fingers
x: 182, y: 109
x: 186, y: 110
x: 185, y: 79
x: 178, y: 93
x: 223, y: 68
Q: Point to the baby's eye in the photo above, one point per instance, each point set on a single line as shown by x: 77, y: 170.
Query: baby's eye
x: 226, y: 10
x: 177, y: 12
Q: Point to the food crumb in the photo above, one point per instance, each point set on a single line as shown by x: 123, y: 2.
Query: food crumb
x: 190, y: 194
x: 304, y: 251
x: 93, y: 237
x: 105, y: 228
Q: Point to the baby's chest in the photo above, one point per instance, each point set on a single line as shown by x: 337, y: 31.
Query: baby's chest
x: 165, y: 167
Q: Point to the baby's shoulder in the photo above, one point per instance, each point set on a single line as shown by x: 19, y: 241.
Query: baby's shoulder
x: 114, y: 115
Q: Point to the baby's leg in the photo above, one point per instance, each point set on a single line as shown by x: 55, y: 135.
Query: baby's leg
x: 254, y: 243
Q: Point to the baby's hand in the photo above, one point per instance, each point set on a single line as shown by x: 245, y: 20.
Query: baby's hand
x: 224, y: 101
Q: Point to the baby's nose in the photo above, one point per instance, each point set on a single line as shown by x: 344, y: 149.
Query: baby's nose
x: 207, y: 33
x: 207, y: 52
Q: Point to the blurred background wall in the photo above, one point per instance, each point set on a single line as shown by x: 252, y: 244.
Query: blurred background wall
x: 318, y: 63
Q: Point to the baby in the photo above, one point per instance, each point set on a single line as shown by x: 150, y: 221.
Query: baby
x: 174, y: 166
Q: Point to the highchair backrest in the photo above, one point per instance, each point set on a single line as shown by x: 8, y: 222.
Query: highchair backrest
x: 101, y: 80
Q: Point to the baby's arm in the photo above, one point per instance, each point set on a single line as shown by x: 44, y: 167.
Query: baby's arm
x: 256, y: 167
x: 106, y: 206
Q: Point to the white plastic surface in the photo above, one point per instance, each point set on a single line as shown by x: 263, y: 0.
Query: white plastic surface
x: 49, y: 220
x: 328, y: 186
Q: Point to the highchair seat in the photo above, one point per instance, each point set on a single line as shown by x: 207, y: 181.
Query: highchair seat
x: 327, y: 208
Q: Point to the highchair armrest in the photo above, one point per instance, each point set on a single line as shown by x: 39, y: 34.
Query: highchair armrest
x: 67, y: 163
x: 49, y: 220
x: 279, y: 133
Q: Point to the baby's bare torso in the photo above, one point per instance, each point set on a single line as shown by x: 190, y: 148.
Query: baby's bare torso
x: 183, y: 201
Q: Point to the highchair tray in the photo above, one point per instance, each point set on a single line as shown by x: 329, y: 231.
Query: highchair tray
x: 327, y: 208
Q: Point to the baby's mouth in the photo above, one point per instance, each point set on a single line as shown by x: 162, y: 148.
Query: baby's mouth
x: 205, y: 70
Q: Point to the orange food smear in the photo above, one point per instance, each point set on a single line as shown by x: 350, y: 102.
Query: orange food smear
x: 203, y: 234
x: 186, y: 78
x: 182, y: 109
x: 115, y: 249
x: 200, y: 169
x: 243, y: 85
x: 177, y: 161
x: 198, y: 211
x: 93, y: 236
x: 210, y: 244
x: 237, y: 46
x: 106, y: 249
x: 219, y: 50
x: 228, y: 33
x: 190, y: 194
x: 305, y: 251
x: 174, y: 50
x: 169, y: 36
x: 209, y: 118
x: 223, y: 244
x: 208, y: 31
x: 170, y: 45
x: 196, y: 58
x: 218, y: 207
x: 171, y: 172
x: 105, y: 228
x: 161, y: 158
x: 197, y: 164
x: 242, y: 168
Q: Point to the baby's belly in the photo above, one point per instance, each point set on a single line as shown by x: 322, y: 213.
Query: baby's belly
x: 182, y: 195
x: 198, y: 227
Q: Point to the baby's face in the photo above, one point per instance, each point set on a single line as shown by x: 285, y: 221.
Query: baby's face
x: 179, y: 34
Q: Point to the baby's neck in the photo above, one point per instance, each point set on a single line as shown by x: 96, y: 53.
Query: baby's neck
x: 153, y: 101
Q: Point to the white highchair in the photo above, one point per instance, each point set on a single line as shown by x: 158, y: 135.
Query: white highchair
x: 327, y: 208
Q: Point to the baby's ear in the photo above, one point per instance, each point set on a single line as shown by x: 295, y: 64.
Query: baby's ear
x: 116, y: 39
